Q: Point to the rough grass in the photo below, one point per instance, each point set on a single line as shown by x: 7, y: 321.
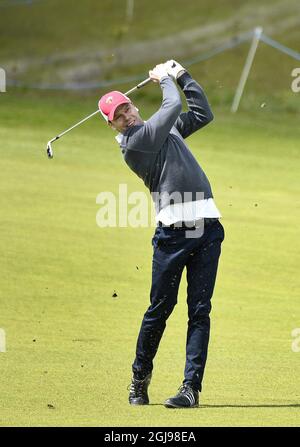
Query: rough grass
x: 63, y: 42
x: 63, y: 26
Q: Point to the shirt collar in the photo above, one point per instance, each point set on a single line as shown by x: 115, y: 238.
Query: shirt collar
x: 119, y: 138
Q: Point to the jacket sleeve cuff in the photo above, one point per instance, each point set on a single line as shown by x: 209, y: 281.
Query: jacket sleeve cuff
x: 163, y: 78
x: 181, y: 81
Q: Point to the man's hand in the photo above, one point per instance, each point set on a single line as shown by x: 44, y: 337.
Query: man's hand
x: 174, y: 69
x: 158, y: 72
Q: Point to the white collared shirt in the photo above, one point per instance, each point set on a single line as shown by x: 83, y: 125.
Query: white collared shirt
x: 119, y: 137
x: 188, y: 211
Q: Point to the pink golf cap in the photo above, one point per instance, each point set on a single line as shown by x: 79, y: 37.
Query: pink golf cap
x: 109, y: 102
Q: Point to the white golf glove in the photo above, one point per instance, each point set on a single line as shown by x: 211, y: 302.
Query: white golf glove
x: 174, y: 68
x: 158, y: 72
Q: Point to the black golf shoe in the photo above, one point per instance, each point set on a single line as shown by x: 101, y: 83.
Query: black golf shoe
x: 186, y: 397
x: 138, y: 391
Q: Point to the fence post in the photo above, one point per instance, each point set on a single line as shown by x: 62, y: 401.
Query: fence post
x: 2, y: 81
x: 129, y: 10
x: 245, y: 73
x: 2, y: 341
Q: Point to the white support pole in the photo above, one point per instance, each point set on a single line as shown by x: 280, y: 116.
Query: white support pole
x: 2, y: 80
x: 245, y: 73
x: 2, y: 340
x: 129, y: 10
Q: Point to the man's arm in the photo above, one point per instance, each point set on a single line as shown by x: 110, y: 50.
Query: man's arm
x: 199, y: 113
x: 156, y: 129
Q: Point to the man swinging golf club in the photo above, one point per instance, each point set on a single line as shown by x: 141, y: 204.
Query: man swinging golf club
x: 188, y: 233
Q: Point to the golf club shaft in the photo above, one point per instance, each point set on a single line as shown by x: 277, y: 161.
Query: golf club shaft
x: 141, y: 84
x: 75, y: 125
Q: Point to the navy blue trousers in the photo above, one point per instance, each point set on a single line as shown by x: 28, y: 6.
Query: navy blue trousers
x: 172, y: 252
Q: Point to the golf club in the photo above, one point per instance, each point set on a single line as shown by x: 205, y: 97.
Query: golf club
x: 49, y: 144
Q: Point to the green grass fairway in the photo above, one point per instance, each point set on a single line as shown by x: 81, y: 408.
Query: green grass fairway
x: 70, y: 344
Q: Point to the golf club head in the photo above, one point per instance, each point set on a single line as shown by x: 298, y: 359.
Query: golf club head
x: 49, y: 150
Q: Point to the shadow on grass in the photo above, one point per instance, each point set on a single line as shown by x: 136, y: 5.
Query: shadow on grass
x: 240, y: 406
x: 252, y: 406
